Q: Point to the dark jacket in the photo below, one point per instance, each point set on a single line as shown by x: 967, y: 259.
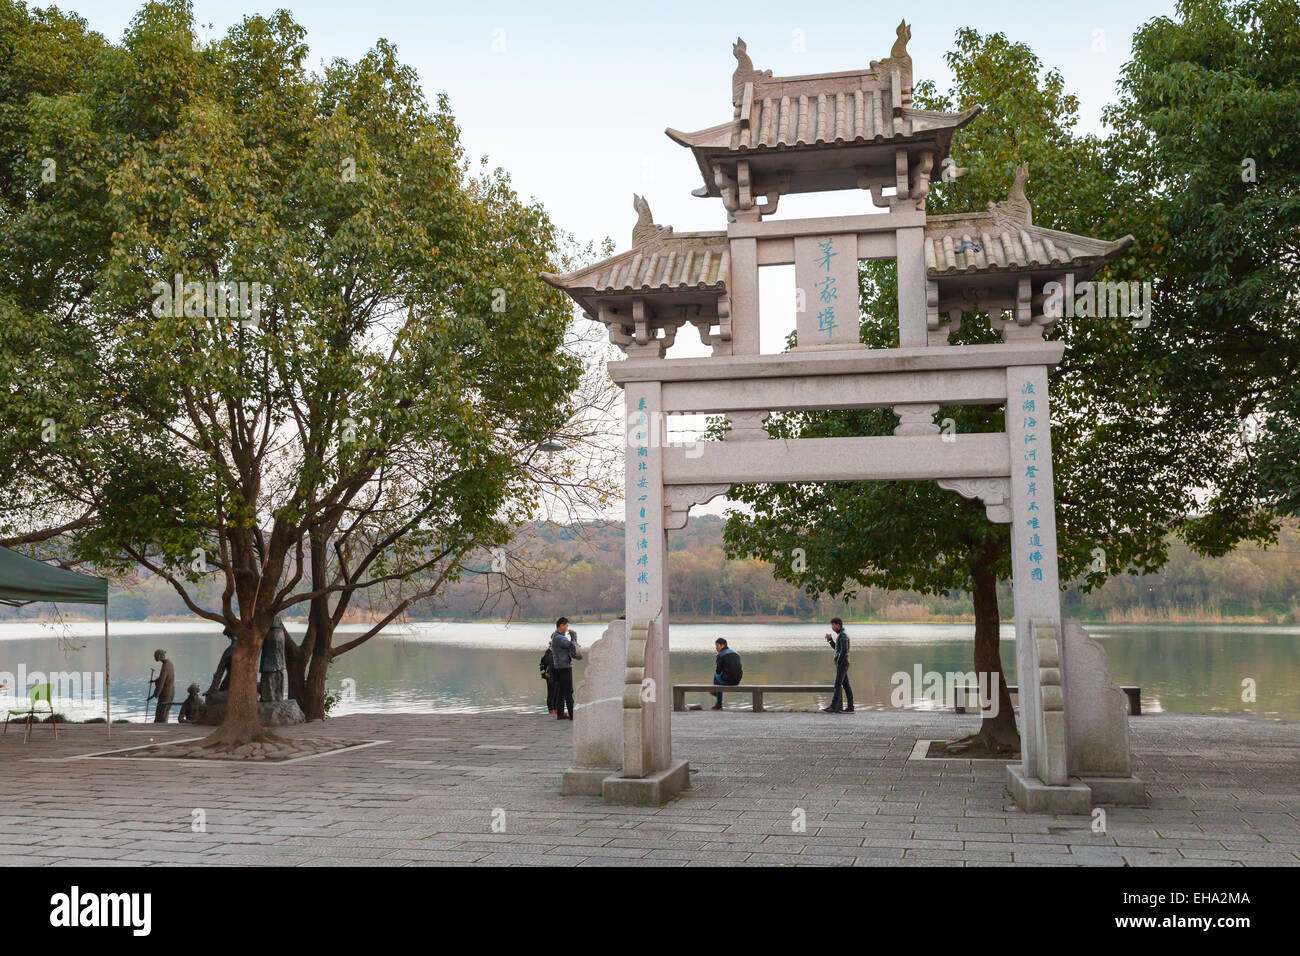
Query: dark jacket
x: 841, y: 646
x: 562, y: 650
x: 727, y: 666
x: 548, y: 665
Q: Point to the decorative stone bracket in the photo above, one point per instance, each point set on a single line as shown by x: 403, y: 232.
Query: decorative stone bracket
x: 645, y: 336
x: 1027, y: 320
x: 994, y: 492
x: 737, y: 189
x: 938, y: 331
x: 1019, y: 316
x: 719, y: 341
x: 911, y: 181
x: 679, y: 499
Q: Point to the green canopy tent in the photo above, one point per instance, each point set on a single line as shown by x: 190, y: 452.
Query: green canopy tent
x: 24, y: 580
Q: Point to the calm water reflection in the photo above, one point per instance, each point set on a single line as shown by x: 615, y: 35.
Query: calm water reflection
x: 487, y: 667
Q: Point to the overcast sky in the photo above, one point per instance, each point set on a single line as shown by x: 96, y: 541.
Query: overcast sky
x: 572, y: 98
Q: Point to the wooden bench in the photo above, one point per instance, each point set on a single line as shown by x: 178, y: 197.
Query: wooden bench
x: 756, y: 691
x: 968, y: 696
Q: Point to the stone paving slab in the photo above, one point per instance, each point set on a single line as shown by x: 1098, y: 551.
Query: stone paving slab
x: 773, y: 789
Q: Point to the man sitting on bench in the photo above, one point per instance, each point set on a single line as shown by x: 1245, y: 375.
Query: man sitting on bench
x: 726, y: 669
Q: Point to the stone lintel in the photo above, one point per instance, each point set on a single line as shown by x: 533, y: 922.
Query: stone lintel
x: 949, y: 358
x: 876, y: 458
x: 987, y: 386
x: 793, y: 228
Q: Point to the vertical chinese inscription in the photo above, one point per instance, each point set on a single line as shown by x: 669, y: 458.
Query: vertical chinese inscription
x: 826, y: 290
x: 1032, y: 520
x: 641, y: 442
x: 1033, y: 537
x: 644, y: 502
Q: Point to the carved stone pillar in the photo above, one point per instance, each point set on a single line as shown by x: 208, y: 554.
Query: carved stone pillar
x: 649, y: 774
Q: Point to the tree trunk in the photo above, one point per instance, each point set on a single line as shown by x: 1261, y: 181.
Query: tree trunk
x: 241, y: 724
x: 996, y: 733
x: 313, y: 696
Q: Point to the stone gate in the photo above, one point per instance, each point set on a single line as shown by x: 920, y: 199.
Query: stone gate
x: 856, y: 130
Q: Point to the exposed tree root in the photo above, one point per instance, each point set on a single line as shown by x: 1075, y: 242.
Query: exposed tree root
x: 987, y: 742
x: 229, y: 739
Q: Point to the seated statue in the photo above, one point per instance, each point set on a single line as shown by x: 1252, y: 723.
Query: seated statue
x: 189, y: 712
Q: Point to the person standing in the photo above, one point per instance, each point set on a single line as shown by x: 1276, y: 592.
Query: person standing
x: 564, y: 651
x: 164, y: 687
x: 547, y: 667
x: 840, y: 645
x: 726, y: 668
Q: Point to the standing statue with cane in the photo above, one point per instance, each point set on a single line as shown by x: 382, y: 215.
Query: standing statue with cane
x: 164, y: 687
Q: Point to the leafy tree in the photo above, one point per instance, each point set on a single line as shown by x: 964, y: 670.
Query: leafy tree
x: 367, y: 414
x: 1207, y: 145
x: 1126, y: 471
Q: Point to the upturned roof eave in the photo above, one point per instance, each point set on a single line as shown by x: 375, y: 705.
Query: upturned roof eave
x: 1089, y: 261
x: 707, y: 144
x: 571, y: 281
x: 712, y: 139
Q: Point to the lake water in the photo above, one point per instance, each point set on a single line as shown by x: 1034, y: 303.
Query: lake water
x: 479, y: 667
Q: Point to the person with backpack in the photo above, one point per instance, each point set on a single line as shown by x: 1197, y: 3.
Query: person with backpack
x: 548, y: 675
x: 564, y: 651
x: 726, y: 668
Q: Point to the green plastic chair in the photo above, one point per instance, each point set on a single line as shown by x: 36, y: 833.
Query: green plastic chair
x: 40, y: 692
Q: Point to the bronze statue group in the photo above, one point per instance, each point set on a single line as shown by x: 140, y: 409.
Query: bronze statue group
x: 270, y: 685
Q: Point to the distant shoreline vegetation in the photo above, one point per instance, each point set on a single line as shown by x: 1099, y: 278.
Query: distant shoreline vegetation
x: 1130, y: 616
x: 578, y: 570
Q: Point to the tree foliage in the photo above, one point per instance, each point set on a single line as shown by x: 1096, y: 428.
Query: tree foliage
x: 370, y: 410
x: 1207, y: 151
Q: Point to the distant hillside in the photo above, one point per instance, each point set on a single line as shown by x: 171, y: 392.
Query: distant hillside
x: 578, y: 571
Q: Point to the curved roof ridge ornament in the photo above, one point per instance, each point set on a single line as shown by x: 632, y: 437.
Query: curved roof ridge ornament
x: 646, y: 229
x: 899, y: 50
x: 1015, y: 209
x: 745, y: 72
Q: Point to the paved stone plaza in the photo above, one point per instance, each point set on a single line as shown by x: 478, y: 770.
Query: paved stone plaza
x: 1225, y: 791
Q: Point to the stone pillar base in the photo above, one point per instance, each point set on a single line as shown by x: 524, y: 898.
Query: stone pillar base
x: 585, y: 781
x: 1077, y: 796
x: 652, y: 789
x: 1034, y: 796
x: 1120, y: 791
